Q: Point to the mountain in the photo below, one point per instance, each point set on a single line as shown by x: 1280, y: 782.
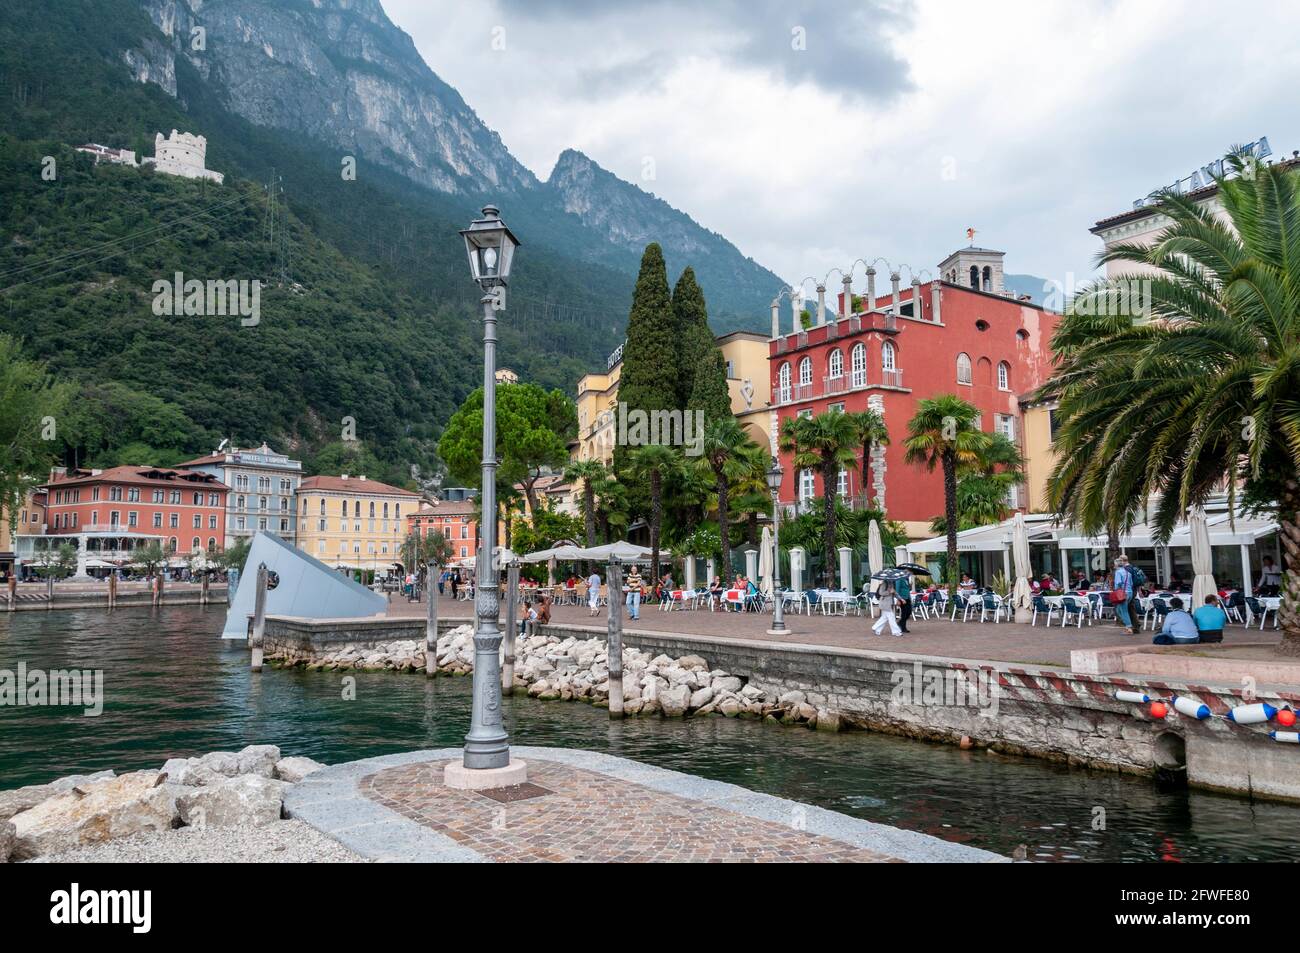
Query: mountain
x: 1040, y: 290
x: 341, y: 73
x: 369, y: 311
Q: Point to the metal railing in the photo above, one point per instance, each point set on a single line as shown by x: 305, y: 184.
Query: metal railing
x: 836, y: 385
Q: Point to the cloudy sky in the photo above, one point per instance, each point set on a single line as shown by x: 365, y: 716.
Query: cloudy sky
x: 814, y: 134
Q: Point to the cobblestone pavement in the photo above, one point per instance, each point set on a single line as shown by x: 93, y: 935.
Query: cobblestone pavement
x: 578, y: 816
x: 1002, y: 641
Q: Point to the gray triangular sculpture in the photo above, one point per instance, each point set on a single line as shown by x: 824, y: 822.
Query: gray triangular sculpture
x: 307, y: 589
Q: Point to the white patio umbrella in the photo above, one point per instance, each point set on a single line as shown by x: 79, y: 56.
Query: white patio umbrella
x: 627, y: 552
x: 1202, y: 558
x: 875, y: 549
x: 765, y: 561
x: 1022, y: 596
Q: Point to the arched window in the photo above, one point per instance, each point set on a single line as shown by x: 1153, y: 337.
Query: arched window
x: 783, y: 383
x: 372, y: 509
x: 1004, y: 376
x: 963, y: 368
x: 345, y: 508
x: 322, y: 506
x: 194, y: 545
x: 385, y: 511
x: 212, y: 544
x: 975, y: 277
x: 888, y: 357
x: 835, y: 366
x: 858, y: 364
x: 805, y: 372
x: 988, y: 278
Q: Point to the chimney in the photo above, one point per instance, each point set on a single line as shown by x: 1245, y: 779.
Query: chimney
x: 916, y: 298
x: 871, y: 288
x: 821, y: 304
x: 345, y: 476
x: 893, y: 283
x: 934, y: 301
x: 776, y: 318
x: 848, y: 295
x: 362, y: 477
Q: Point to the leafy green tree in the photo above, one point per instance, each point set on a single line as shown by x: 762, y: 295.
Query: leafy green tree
x: 943, y: 433
x: 650, y: 377
x: 590, y: 473
x: 656, y: 464
x: 533, y: 429
x: 55, y: 562
x: 235, y: 555
x: 725, y: 445
x: 1174, y: 385
x: 31, y: 403
x: 826, y: 443
x: 148, y: 559
x: 702, y: 370
x: 984, y: 485
x: 872, y: 433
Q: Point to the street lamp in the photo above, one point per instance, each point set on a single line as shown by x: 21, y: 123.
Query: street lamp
x: 490, y: 247
x: 774, y: 475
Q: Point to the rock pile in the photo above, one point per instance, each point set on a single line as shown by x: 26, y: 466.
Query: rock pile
x: 221, y: 789
x: 549, y: 667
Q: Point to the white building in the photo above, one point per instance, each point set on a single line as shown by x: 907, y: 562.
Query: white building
x: 109, y: 154
x: 183, y: 154
x: 262, y: 487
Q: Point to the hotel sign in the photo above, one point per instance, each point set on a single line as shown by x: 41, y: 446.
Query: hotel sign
x: 1206, y: 175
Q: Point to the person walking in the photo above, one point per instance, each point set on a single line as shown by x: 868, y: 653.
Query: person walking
x: 455, y: 583
x: 593, y: 592
x: 903, y: 589
x: 1122, y: 594
x: 887, y: 598
x: 633, y: 593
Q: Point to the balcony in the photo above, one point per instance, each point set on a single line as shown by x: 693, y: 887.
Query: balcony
x: 803, y: 391
x: 891, y: 378
x: 836, y: 385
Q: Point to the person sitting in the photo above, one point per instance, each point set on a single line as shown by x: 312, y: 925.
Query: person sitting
x: 967, y: 583
x: 1210, y: 620
x: 1179, y: 628
x: 1270, y: 578
x: 530, y: 615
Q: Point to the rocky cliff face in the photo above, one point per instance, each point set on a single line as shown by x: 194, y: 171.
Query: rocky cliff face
x: 336, y: 71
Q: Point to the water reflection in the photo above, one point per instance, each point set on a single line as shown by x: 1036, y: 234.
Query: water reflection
x: 173, y: 688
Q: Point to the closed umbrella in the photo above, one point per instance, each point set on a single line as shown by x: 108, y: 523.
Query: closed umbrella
x: 1202, y: 558
x: 765, y: 561
x: 1022, y: 596
x: 875, y: 551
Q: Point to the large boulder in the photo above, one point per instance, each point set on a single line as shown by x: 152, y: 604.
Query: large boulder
x: 8, y: 835
x: 24, y: 799
x: 249, y: 800
x: 104, y: 810
x: 693, y: 662
x: 673, y: 701
x: 726, y: 683
x: 295, y: 769
x: 218, y: 766
x: 701, y: 697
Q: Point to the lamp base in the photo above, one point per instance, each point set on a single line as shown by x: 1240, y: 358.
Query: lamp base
x: 456, y: 775
x: 781, y: 631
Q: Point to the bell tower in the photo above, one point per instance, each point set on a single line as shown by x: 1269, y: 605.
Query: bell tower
x: 976, y: 268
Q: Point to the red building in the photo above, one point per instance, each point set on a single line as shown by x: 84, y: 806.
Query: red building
x: 963, y: 336
x: 185, y: 509
x: 456, y: 521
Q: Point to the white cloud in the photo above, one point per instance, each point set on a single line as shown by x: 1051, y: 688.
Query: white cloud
x: 1026, y: 120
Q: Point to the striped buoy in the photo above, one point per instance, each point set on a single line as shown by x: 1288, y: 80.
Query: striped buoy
x: 1251, y: 714
x: 1126, y: 696
x: 1289, y: 737
x: 1191, y: 707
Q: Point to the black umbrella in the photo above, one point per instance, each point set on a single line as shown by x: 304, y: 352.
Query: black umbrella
x: 914, y: 568
x: 891, y: 574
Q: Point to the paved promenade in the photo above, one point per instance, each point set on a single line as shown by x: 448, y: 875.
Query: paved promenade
x: 999, y: 642
x: 585, y: 807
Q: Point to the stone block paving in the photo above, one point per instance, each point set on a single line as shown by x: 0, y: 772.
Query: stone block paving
x: 1000, y: 641
x: 588, y: 817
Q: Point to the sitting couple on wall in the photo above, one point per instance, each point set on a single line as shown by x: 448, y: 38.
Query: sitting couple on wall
x: 1185, y: 628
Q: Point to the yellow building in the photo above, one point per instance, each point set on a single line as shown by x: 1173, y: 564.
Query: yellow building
x: 1039, y: 452
x: 31, y: 522
x: 748, y: 380
x: 351, y: 522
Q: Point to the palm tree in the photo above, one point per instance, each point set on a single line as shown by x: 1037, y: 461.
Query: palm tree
x: 589, y: 473
x: 723, y: 453
x: 656, y: 463
x: 828, y: 443
x: 872, y: 432
x: 1195, y: 388
x: 943, y: 433
x: 750, y: 495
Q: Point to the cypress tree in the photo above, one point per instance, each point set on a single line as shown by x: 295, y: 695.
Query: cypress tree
x: 649, y: 380
x: 703, y: 370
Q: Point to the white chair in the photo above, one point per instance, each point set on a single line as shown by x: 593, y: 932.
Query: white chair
x: 1041, y: 604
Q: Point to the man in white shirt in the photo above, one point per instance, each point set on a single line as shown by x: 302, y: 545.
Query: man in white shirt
x: 593, y: 592
x: 1269, y: 575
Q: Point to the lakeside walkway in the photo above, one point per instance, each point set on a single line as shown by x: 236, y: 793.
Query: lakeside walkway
x: 998, y: 642
x: 586, y: 807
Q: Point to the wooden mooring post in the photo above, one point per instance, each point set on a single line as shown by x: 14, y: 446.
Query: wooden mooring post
x: 614, y: 638
x: 431, y: 623
x: 512, y: 629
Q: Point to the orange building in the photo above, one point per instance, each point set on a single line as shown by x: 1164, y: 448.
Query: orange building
x: 456, y: 521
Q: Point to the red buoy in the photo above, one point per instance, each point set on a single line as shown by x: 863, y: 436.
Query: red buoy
x: 1286, y: 717
x: 1159, y: 710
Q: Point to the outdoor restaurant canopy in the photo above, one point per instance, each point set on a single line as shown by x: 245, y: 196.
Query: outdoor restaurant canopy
x: 627, y: 552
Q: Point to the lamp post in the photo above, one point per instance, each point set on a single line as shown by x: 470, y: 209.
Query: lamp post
x: 490, y: 246
x: 774, y: 475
